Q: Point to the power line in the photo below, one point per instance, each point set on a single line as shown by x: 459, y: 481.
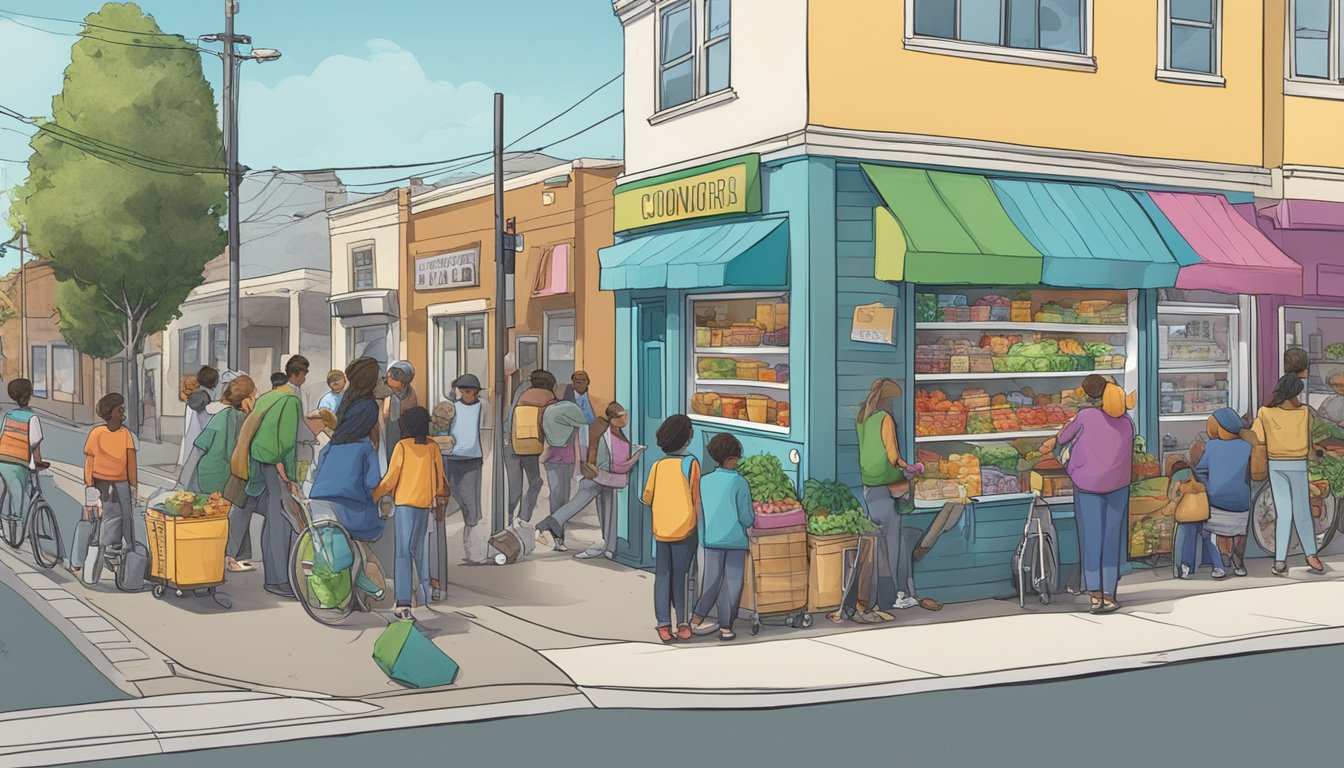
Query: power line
x: 86, y: 35
x: 84, y: 142
x: 571, y: 108
x: 384, y: 167
x: 5, y: 12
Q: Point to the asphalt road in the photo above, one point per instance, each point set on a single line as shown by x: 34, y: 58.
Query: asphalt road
x: 38, y: 665
x: 1271, y: 709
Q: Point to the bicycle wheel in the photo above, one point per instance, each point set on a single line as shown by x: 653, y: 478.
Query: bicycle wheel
x: 45, y: 536
x: 1264, y: 519
x: 11, y: 522
x: 328, y: 594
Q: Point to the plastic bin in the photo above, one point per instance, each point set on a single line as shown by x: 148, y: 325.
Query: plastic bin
x: 187, y: 552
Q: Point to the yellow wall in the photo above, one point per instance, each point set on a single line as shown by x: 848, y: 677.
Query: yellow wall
x: 1312, y: 132
x: 861, y: 77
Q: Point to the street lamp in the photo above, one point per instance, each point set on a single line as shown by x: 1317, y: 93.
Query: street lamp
x: 232, y: 60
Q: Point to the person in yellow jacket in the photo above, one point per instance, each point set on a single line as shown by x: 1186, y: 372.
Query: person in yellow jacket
x: 416, y: 482
x: 673, y: 490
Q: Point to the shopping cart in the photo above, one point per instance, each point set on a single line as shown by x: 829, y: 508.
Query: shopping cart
x: 777, y: 577
x: 186, y: 554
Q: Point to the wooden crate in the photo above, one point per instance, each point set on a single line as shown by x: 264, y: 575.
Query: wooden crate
x: 778, y: 567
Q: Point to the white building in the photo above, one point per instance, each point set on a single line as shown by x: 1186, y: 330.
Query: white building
x: 365, y: 247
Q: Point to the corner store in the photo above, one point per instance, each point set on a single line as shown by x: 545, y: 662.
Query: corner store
x: 828, y: 237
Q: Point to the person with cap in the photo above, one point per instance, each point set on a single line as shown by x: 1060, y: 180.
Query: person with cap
x: 464, y: 464
x: 400, y: 374
x: 1224, y: 467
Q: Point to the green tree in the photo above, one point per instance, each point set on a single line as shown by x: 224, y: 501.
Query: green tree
x: 125, y: 186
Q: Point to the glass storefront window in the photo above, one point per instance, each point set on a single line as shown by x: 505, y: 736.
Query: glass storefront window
x: 998, y: 371
x: 1199, y: 370
x: 739, y: 367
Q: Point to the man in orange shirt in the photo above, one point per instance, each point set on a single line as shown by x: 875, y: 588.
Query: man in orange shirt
x: 109, y: 467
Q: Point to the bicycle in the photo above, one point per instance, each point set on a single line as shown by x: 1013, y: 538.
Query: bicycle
x: 36, y: 524
x: 324, y: 566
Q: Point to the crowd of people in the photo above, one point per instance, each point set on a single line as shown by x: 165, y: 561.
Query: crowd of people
x: 366, y: 454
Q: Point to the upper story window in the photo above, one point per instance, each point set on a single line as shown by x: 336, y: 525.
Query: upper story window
x: 1191, y: 34
x: 361, y: 268
x: 694, y: 51
x: 1044, y: 25
x: 1314, y: 31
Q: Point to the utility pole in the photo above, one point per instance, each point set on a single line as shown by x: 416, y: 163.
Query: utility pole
x: 230, y: 106
x: 500, y: 493
x: 23, y: 303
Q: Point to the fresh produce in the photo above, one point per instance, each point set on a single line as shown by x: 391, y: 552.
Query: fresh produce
x: 769, y: 485
x: 186, y: 504
x: 1000, y: 455
x: 1335, y: 351
x: 441, y: 420
x: 852, y: 523
x: 1146, y: 466
x: 828, y: 497
x: 1152, y: 487
x: 1329, y: 469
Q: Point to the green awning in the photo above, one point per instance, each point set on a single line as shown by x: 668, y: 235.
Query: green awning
x: 947, y: 228
x: 746, y: 254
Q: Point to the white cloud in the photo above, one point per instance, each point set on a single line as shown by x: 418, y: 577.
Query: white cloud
x: 379, y: 108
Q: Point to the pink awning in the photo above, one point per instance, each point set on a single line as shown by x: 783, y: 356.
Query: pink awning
x: 1234, y: 256
x: 553, y: 276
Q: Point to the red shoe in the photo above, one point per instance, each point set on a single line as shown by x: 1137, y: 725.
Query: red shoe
x: 684, y: 632
x: 665, y: 634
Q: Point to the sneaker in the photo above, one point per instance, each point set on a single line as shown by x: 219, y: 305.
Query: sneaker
x: 590, y: 553
x: 559, y: 545
x: 1240, y: 570
x: 1184, y: 573
x: 1219, y: 573
x: 367, y: 586
x: 904, y: 601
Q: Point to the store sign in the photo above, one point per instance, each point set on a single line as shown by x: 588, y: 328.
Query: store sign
x: 459, y: 269
x: 727, y: 187
x: 874, y: 324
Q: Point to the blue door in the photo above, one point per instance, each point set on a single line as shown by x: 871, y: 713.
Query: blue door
x: 647, y: 412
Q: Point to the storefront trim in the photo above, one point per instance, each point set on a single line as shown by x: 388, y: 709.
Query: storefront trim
x: 731, y: 187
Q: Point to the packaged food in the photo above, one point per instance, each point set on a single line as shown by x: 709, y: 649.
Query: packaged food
x: 750, y: 370
x: 982, y: 364
x: 716, y: 368
x: 734, y: 407
x: 782, y: 414
x: 707, y: 404
x: 975, y: 398
x: 758, y: 408
x: 716, y: 337
x: 979, y: 314
x: 1020, y: 311
x: 702, y: 336
x: 765, y: 316
x: 959, y: 364
x: 781, y: 315
x: 782, y: 373
x: 772, y: 412
x: 766, y: 374
x: 1000, y: 314
x: 951, y: 300
x: 745, y: 335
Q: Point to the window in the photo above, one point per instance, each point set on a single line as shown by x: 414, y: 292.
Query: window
x: 1043, y: 25
x: 37, y: 372
x: 189, y: 360
x: 694, y: 51
x: 219, y: 346
x: 560, y: 338
x: 1315, y: 48
x: 1192, y: 36
x: 369, y: 341
x: 361, y: 268
x: 64, y: 371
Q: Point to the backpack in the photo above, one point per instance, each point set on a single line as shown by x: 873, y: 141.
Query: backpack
x: 527, y: 436
x: 14, y: 445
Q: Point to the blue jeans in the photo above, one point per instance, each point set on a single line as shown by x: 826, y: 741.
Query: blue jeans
x: 1292, y: 507
x: 671, y: 569
x: 1191, y: 538
x: 1101, y: 523
x: 412, y: 525
x: 724, y: 572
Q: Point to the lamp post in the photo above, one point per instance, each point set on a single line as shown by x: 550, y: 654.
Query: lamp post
x: 229, y: 104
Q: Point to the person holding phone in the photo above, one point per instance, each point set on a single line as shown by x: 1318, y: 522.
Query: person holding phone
x: 611, y: 457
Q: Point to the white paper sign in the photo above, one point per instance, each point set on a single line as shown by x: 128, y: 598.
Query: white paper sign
x: 459, y: 269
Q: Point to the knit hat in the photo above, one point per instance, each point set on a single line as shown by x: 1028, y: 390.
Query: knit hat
x: 1229, y: 420
x: 401, y: 371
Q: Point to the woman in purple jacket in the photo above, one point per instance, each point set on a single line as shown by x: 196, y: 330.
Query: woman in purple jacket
x: 1101, y: 458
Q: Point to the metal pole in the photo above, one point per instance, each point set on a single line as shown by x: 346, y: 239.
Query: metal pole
x: 230, y: 106
x: 499, y: 492
x: 23, y: 304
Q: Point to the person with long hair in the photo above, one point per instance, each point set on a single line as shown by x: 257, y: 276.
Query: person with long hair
x: 1225, y: 470
x: 611, y: 458
x: 1283, y: 426
x: 207, y: 468
x: 416, y: 482
x: 349, y: 469
x: 1100, y: 465
x: 885, y: 484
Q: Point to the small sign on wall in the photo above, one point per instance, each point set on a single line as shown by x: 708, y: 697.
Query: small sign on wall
x: 874, y: 324
x: 459, y: 269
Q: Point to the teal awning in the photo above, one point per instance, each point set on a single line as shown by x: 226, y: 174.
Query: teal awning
x: 1091, y: 236
x: 750, y: 254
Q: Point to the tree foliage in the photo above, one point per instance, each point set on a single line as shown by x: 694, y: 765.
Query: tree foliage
x: 115, y: 196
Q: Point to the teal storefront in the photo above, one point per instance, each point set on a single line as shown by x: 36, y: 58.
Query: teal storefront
x: 959, y: 263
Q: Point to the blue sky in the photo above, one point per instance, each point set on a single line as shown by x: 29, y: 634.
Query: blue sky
x: 361, y: 82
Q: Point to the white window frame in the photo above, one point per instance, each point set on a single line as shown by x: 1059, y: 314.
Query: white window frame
x: 1082, y: 62
x: 700, y: 44
x: 1328, y: 87
x: 357, y: 248
x: 1165, y: 72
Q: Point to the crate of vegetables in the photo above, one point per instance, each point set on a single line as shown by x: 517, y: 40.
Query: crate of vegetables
x: 773, y: 497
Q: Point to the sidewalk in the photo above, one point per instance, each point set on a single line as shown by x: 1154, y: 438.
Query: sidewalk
x: 555, y: 633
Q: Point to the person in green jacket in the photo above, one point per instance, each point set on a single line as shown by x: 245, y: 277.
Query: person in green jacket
x: 207, y: 468
x: 885, y: 484
x: 265, y: 457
